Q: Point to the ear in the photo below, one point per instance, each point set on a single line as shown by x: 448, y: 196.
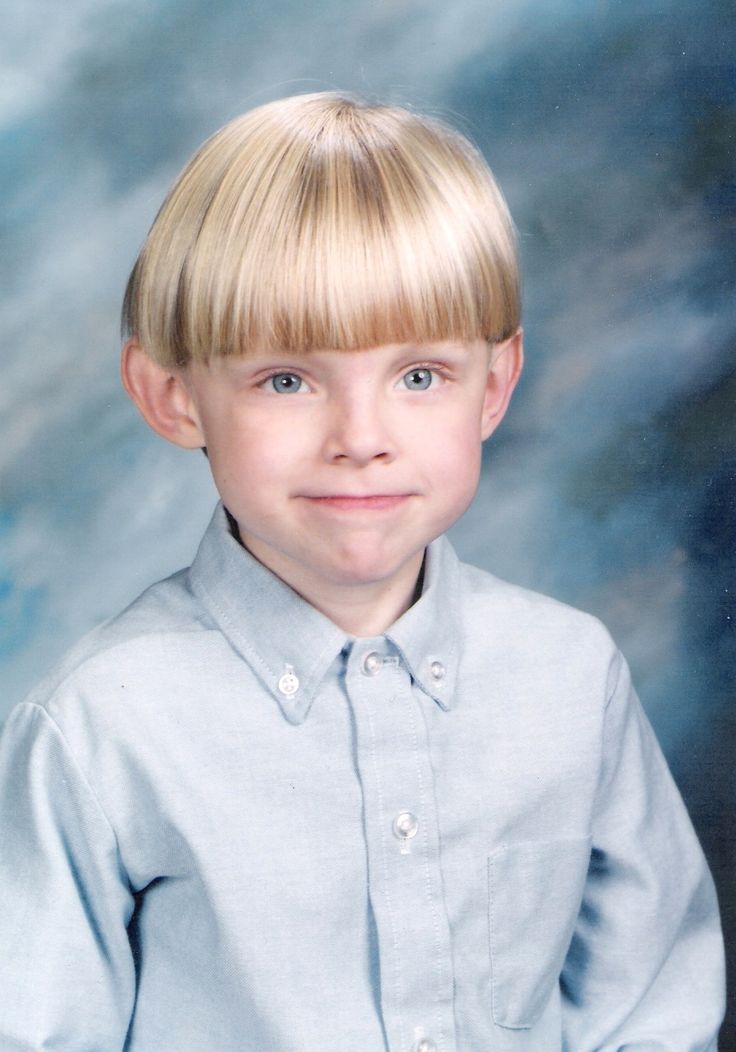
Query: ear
x: 161, y: 396
x: 504, y: 369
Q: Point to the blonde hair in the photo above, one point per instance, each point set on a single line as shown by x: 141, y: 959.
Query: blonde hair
x: 321, y: 221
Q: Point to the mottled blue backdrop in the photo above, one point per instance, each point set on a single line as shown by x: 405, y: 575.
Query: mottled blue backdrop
x: 613, y: 482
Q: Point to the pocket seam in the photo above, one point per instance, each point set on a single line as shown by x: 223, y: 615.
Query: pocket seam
x: 538, y: 847
x: 493, y: 956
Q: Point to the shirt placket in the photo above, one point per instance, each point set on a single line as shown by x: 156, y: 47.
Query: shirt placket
x: 403, y: 849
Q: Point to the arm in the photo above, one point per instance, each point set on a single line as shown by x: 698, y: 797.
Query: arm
x: 67, y: 979
x: 645, y: 966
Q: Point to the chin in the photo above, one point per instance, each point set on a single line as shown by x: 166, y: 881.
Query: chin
x: 364, y: 568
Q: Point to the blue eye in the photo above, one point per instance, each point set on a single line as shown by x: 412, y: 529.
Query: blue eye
x: 285, y: 383
x: 418, y: 379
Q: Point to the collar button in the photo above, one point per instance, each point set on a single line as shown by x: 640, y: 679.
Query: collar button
x: 288, y: 683
x: 372, y: 664
x: 438, y: 671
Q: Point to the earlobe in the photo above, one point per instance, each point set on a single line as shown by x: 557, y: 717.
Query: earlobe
x: 504, y: 370
x: 161, y: 396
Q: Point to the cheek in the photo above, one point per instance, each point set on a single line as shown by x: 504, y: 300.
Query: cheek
x: 250, y: 459
x: 229, y: 451
x: 454, y: 457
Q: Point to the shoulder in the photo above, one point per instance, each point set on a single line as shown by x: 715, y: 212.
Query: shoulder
x: 524, y: 625
x: 127, y: 657
x: 482, y: 591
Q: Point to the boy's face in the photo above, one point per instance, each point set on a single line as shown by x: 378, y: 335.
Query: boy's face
x: 341, y: 466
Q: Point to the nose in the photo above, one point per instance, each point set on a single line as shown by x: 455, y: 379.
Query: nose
x: 358, y: 429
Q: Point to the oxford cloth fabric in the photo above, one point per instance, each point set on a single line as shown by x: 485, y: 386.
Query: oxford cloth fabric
x: 226, y: 825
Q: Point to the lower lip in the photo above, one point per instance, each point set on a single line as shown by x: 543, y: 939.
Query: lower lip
x: 376, y: 503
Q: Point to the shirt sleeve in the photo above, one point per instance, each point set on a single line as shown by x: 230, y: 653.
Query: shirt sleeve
x: 645, y: 968
x: 67, y: 978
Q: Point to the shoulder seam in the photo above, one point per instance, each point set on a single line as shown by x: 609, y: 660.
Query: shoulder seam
x: 78, y: 768
x: 617, y: 660
x: 58, y: 677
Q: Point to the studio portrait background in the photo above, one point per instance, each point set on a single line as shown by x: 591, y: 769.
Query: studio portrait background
x: 612, y: 483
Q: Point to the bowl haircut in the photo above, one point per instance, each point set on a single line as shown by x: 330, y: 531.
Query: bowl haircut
x: 323, y: 221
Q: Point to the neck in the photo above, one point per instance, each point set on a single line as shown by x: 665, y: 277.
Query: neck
x: 367, y: 610
x: 360, y: 609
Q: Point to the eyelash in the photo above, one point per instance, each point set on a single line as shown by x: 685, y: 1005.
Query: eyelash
x: 435, y: 372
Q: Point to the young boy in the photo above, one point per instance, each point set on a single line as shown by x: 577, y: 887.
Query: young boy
x: 330, y: 788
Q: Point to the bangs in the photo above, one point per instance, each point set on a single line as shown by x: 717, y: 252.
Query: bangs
x: 319, y: 222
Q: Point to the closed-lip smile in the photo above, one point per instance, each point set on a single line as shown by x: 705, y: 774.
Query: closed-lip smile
x: 358, y: 501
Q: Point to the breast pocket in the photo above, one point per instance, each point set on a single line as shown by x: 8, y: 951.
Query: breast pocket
x: 535, y: 890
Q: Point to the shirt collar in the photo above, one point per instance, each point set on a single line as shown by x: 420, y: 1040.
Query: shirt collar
x: 290, y: 645
x: 428, y: 635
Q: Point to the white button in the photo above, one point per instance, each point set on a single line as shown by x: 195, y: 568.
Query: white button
x: 372, y: 664
x: 424, y: 1044
x: 405, y: 825
x: 438, y: 670
x: 288, y: 682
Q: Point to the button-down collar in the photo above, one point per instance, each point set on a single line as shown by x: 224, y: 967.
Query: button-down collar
x: 268, y: 624
x: 428, y: 635
x: 280, y: 635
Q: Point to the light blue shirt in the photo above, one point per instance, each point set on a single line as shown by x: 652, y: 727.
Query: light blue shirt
x: 226, y: 826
